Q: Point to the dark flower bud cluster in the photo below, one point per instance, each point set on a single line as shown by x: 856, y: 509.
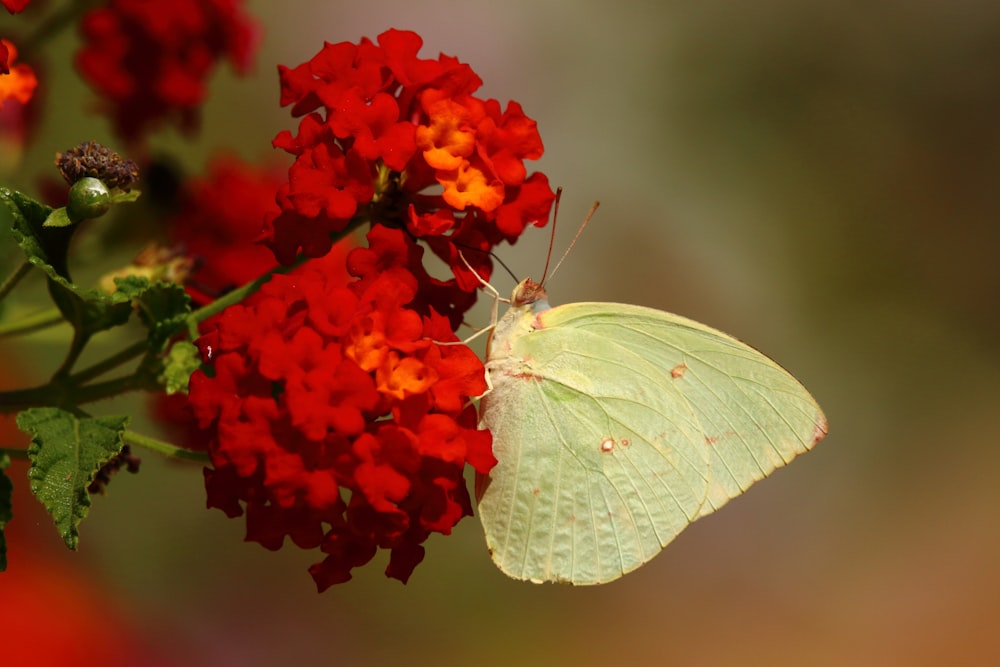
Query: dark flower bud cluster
x: 97, y: 161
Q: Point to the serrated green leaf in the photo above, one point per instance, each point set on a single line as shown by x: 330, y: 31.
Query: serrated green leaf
x: 163, y: 307
x: 45, y: 247
x: 6, y: 513
x: 182, y: 360
x: 66, y: 452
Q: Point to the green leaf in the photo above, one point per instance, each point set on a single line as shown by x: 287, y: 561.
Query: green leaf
x: 66, y: 452
x: 58, y: 218
x: 163, y: 307
x: 121, y: 196
x: 182, y: 360
x: 6, y: 492
x: 89, y: 311
x: 45, y: 247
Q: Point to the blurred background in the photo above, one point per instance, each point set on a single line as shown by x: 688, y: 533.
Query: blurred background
x: 819, y: 179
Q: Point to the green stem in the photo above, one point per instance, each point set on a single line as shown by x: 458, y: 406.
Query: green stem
x: 240, y: 293
x: 72, y: 354
x: 14, y: 278
x: 112, y: 362
x: 15, y: 400
x: 54, y: 23
x: 31, y: 323
x: 14, y: 453
x: 111, y: 388
x: 63, y: 392
x: 139, y: 440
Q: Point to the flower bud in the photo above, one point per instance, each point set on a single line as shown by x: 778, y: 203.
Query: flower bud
x: 88, y: 198
x: 92, y: 159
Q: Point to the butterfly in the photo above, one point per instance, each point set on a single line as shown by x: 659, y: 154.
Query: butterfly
x: 615, y: 426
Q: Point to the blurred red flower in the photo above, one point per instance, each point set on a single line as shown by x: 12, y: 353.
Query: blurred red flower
x: 17, y: 82
x: 219, y: 220
x: 150, y: 60
x: 14, y: 6
x: 19, y: 106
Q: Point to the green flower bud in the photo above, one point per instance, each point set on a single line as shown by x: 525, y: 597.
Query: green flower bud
x: 88, y: 198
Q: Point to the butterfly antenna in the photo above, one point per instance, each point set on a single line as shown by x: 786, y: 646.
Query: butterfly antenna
x: 492, y: 254
x: 590, y: 214
x: 505, y: 267
x: 552, y: 236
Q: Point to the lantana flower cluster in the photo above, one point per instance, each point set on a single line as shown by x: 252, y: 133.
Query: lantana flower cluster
x: 390, y: 138
x: 319, y: 387
x: 338, y: 410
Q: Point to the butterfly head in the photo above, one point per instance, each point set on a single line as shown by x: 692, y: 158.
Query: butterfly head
x: 527, y: 292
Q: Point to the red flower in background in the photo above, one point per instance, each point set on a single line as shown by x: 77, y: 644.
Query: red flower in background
x: 14, y: 6
x: 335, y: 415
x: 17, y: 82
x: 150, y: 60
x: 19, y: 106
x: 219, y: 220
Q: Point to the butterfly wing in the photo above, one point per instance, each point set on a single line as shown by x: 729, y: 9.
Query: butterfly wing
x: 615, y: 426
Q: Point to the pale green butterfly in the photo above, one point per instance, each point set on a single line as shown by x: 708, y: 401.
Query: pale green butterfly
x: 616, y: 426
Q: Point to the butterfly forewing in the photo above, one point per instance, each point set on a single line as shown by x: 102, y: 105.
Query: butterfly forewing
x: 754, y: 416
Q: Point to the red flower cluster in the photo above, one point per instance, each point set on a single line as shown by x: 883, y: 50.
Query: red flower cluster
x: 150, y: 60
x: 335, y: 415
x: 389, y: 138
x: 340, y: 421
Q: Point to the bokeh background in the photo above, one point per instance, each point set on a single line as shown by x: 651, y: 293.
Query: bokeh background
x: 821, y: 179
